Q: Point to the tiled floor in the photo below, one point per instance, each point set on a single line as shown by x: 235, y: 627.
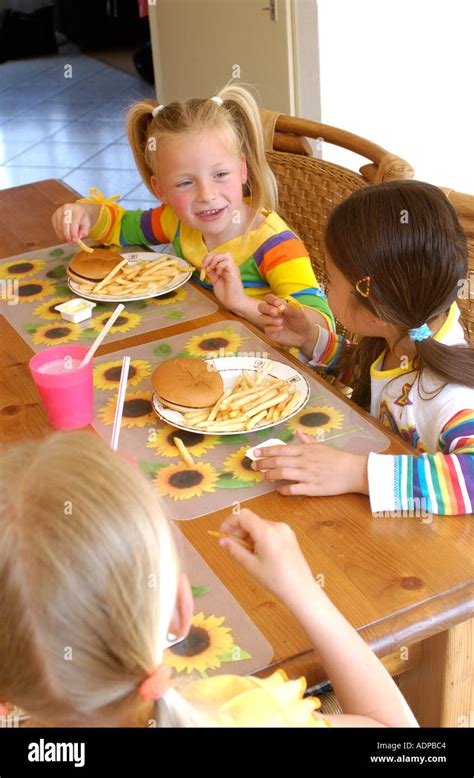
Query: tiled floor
x: 63, y: 117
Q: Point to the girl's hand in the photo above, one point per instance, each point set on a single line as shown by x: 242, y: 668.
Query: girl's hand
x: 287, y: 325
x: 225, y: 277
x: 316, y: 469
x: 276, y: 561
x: 73, y: 221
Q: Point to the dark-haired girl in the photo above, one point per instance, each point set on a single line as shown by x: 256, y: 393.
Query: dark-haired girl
x: 396, y: 259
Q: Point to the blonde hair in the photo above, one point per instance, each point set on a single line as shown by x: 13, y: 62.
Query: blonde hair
x: 88, y: 577
x: 238, y: 118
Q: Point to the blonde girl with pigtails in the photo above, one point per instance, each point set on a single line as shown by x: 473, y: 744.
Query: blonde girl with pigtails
x: 92, y: 588
x: 204, y: 159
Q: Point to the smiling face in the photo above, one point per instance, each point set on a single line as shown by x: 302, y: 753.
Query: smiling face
x: 201, y: 177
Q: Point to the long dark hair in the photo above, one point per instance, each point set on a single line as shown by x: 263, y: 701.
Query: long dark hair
x: 404, y: 235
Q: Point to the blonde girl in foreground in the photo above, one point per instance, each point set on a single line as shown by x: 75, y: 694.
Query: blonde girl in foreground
x: 201, y: 158
x: 78, y: 579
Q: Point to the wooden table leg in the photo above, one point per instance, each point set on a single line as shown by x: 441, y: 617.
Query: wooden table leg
x: 440, y: 688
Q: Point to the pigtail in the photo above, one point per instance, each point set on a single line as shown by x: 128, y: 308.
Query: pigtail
x: 139, y: 129
x: 452, y: 364
x: 243, y: 109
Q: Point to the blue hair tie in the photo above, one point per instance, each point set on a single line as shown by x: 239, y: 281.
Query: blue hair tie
x: 420, y: 333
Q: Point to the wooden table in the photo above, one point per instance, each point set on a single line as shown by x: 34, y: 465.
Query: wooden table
x: 404, y: 584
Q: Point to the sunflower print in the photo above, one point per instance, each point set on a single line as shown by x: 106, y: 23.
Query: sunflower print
x: 126, y: 321
x: 197, y: 444
x: 56, y: 334
x: 21, y: 268
x: 30, y: 291
x: 46, y: 310
x: 217, y: 342
x: 181, y: 482
x: 315, y: 419
x: 241, y: 466
x: 176, y: 296
x: 107, y: 375
x: 203, y: 647
x: 137, y: 410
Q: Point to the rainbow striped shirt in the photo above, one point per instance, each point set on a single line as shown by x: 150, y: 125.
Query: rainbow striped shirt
x: 270, y: 259
x: 439, y: 424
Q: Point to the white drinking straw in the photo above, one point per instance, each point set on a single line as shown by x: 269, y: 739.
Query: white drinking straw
x: 120, y: 401
x: 100, y: 337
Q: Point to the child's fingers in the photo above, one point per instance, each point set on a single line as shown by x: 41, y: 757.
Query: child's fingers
x: 287, y: 473
x: 273, y: 300
x: 270, y: 452
x: 302, y: 488
x: 245, y: 523
x: 305, y: 438
x: 77, y: 222
x: 269, y: 321
x: 271, y: 311
x: 293, y: 315
x: 245, y: 558
x: 233, y: 528
x: 272, y: 330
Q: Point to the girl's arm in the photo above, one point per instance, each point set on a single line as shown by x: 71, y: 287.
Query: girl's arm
x: 285, y: 265
x: 117, y: 227
x: 290, y: 325
x: 441, y: 483
x: 111, y: 225
x: 367, y: 694
x: 227, y: 286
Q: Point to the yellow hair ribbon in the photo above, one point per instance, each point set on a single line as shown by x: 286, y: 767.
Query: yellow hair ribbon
x: 96, y: 196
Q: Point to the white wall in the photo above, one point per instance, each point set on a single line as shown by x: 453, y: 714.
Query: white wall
x: 401, y: 73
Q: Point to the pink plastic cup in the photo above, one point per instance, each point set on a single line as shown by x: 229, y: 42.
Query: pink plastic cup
x: 66, y: 390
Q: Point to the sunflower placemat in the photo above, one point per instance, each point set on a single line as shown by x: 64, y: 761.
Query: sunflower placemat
x: 222, y: 638
x: 32, y: 284
x: 221, y: 474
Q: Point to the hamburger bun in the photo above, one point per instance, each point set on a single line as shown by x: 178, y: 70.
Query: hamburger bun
x: 187, y: 384
x: 92, y: 267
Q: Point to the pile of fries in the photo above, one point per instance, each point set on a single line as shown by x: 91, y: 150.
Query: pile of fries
x: 255, y: 400
x: 136, y: 278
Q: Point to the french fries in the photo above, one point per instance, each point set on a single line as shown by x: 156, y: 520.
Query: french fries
x: 131, y: 279
x: 256, y: 399
x: 289, y: 300
x: 186, y: 456
x: 84, y: 247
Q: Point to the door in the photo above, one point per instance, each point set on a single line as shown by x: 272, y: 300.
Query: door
x: 199, y: 45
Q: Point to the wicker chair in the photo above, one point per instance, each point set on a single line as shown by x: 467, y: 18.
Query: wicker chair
x: 309, y: 187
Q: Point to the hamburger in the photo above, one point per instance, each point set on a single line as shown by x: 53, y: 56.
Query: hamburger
x: 92, y: 267
x: 184, y: 384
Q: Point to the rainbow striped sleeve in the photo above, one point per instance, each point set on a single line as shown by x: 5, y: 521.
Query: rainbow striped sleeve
x: 328, y: 349
x: 118, y: 227
x: 458, y: 434
x: 441, y: 483
x: 283, y: 262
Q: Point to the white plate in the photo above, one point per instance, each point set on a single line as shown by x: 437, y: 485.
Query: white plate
x: 230, y: 368
x: 144, y: 256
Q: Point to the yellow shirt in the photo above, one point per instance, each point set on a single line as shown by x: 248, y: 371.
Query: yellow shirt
x: 248, y: 701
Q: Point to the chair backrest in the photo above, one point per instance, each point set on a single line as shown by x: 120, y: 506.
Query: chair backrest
x: 309, y: 188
